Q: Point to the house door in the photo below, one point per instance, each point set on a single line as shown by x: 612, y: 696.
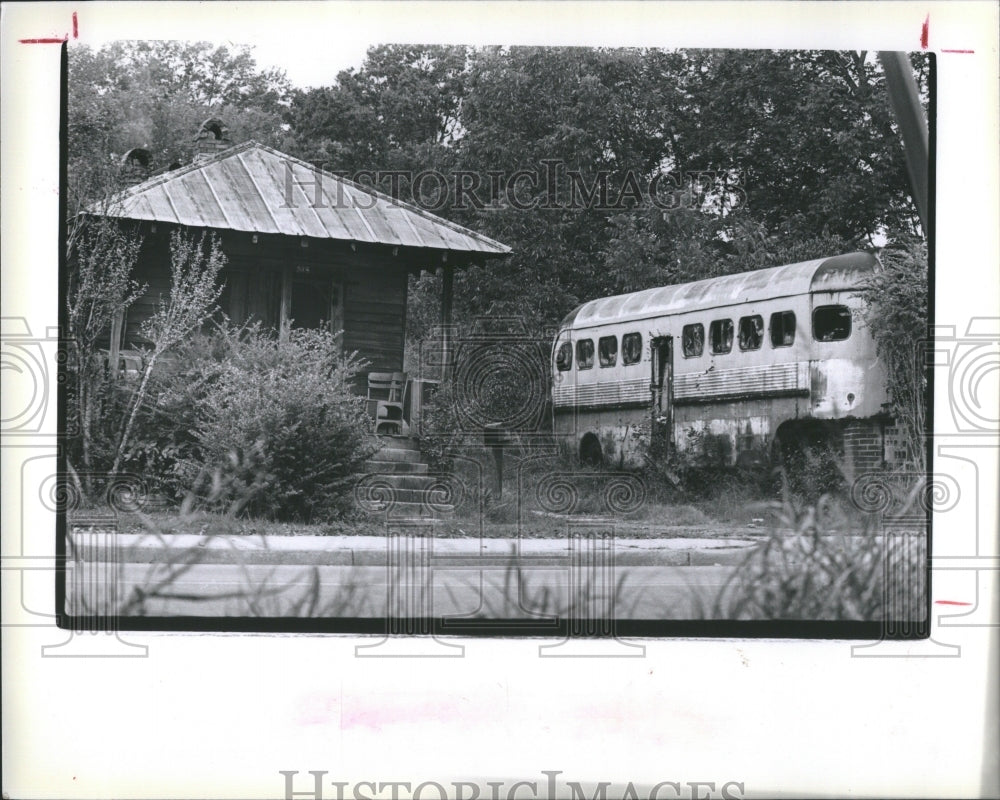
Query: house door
x: 662, y: 386
x: 313, y: 301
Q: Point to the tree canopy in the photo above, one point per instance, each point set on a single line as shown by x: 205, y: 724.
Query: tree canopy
x: 605, y: 170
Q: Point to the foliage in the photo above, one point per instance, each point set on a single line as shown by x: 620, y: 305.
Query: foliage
x: 814, y: 566
x: 278, y: 424
x: 400, y: 111
x: 764, y: 158
x: 155, y: 94
x: 100, y: 259
x: 195, y: 265
x: 897, y: 316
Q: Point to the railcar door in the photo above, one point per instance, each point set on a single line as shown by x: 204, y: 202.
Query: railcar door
x: 662, y: 387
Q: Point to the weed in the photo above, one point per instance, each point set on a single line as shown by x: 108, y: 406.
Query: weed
x: 818, y: 564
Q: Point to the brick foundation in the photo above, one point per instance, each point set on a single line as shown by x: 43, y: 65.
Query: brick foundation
x: 865, y: 445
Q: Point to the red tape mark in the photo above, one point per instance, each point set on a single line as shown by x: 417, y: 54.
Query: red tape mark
x: 925, y: 32
x: 951, y: 603
x: 55, y: 39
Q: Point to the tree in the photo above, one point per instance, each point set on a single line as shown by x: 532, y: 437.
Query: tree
x: 401, y: 110
x: 155, y: 94
x: 194, y: 289
x: 897, y: 314
x: 100, y: 288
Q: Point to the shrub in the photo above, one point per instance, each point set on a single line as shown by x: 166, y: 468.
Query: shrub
x: 897, y: 316
x: 818, y: 565
x: 277, y: 430
x: 164, y: 439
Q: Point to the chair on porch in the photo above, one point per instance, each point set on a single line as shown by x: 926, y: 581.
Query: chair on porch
x: 385, y: 401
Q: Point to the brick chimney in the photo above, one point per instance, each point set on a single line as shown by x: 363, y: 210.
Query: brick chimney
x: 213, y: 136
x: 134, y: 167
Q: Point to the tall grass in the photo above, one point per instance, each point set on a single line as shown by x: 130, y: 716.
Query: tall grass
x: 809, y: 569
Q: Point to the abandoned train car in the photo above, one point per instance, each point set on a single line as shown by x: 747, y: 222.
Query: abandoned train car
x: 736, y: 366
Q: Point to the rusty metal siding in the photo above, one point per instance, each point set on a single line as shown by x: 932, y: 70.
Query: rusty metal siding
x: 248, y: 188
x: 604, y: 394
x: 775, y: 380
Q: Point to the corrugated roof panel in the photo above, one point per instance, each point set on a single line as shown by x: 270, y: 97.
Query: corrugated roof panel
x: 205, y: 196
x: 405, y: 229
x: 256, y: 189
x: 228, y: 180
x: 272, y: 191
x: 183, y: 205
x: 376, y: 219
x: 297, y: 197
x: 142, y: 208
x: 160, y: 206
x: 330, y: 210
x: 346, y: 201
x: 431, y: 234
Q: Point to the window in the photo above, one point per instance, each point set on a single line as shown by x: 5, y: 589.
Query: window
x: 564, y: 357
x: 607, y: 350
x: 751, y: 332
x: 585, y: 354
x: 721, y: 333
x: 693, y: 340
x: 782, y: 329
x: 831, y: 323
x: 631, y: 348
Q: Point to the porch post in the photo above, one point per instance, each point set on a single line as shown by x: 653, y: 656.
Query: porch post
x: 114, y: 346
x: 447, y: 274
x: 286, y: 304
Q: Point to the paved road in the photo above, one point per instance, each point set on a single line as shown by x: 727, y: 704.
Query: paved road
x: 631, y: 592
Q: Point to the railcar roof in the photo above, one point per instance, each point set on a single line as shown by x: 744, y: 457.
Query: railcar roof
x: 820, y: 275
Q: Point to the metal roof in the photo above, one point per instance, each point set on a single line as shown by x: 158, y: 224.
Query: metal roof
x: 254, y: 188
x: 821, y: 275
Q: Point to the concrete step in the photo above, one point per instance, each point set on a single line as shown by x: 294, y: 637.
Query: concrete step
x: 381, y: 466
x: 397, y: 454
x: 401, y: 495
x: 407, y: 480
x: 397, y: 443
x: 404, y: 510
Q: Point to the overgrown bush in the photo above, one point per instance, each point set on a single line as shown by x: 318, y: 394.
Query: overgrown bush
x: 280, y: 424
x: 897, y: 316
x: 819, y: 564
x: 164, y: 440
x: 700, y: 473
x: 256, y: 426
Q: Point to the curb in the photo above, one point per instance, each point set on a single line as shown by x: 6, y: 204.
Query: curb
x: 496, y: 554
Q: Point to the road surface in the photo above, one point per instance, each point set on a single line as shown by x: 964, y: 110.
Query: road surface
x: 277, y: 591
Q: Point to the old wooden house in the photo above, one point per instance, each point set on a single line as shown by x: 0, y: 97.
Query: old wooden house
x: 304, y: 246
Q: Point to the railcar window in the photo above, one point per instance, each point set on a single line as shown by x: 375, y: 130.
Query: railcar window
x: 721, y: 334
x: 693, y: 340
x: 782, y: 328
x: 564, y: 357
x: 831, y: 323
x: 631, y: 348
x: 607, y: 350
x: 585, y: 354
x: 751, y: 332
